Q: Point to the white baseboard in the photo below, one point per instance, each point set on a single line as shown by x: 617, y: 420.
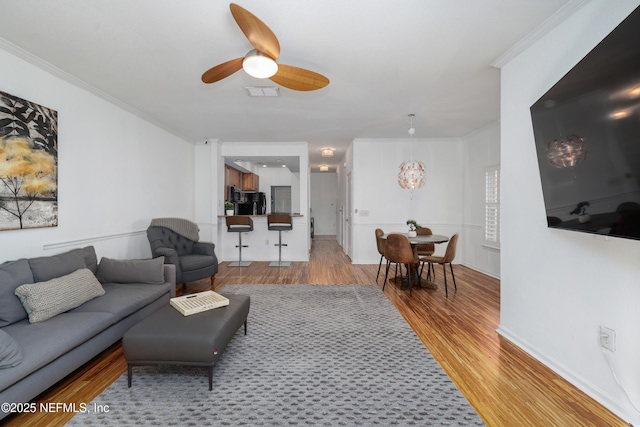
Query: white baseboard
x: 578, y: 381
x: 473, y: 267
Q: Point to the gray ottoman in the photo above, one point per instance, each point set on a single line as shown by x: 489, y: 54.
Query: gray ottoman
x: 168, y: 337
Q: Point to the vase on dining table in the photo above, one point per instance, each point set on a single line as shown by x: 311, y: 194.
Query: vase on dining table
x: 412, y: 233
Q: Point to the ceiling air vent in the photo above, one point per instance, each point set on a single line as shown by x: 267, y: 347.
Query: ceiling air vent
x: 263, y: 90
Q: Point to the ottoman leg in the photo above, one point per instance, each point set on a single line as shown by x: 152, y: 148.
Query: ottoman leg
x: 129, y: 374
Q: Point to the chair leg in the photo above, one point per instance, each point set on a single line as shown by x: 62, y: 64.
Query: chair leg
x: 240, y: 263
x: 386, y: 274
x: 444, y: 272
x: 429, y: 268
x: 279, y: 263
x: 454, y: 277
x: 280, y: 247
x: 401, y: 274
x: 409, y: 275
x: 379, y: 265
x: 213, y: 278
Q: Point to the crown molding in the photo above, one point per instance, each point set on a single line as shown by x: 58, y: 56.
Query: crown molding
x: 564, y: 13
x: 70, y: 78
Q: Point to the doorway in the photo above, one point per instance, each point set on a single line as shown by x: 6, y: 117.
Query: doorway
x: 346, y: 235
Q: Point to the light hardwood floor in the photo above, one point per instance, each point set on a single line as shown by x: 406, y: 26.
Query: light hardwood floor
x: 505, y: 385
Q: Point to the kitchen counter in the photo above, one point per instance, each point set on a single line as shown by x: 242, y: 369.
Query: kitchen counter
x: 258, y: 245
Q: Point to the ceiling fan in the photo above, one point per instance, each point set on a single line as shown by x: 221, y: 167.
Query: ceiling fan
x: 261, y: 61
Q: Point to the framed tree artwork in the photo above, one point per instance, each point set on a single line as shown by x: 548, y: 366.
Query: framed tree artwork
x: 28, y: 164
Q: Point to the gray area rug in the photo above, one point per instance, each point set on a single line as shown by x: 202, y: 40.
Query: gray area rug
x: 327, y: 355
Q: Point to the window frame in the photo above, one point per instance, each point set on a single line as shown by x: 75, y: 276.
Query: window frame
x: 491, y: 228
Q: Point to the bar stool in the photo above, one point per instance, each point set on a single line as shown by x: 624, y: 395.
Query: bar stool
x: 239, y: 224
x: 279, y: 223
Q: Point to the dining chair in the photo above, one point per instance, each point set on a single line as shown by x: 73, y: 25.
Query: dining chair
x: 447, y: 258
x: 397, y: 249
x: 380, y: 245
x: 425, y: 249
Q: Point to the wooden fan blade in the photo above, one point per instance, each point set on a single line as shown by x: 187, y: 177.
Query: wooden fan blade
x: 259, y: 35
x: 298, y: 78
x: 221, y: 71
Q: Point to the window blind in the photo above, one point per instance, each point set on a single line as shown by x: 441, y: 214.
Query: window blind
x: 492, y: 204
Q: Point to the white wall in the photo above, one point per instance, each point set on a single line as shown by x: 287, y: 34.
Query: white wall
x: 116, y: 171
x: 558, y: 287
x: 481, y: 149
x: 379, y: 202
x: 207, y: 161
x: 324, y: 201
x: 451, y: 201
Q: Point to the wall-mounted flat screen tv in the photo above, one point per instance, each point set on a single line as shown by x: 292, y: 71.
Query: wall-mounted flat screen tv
x: 587, y: 136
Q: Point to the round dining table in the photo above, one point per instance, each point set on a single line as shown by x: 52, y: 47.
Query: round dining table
x: 420, y: 239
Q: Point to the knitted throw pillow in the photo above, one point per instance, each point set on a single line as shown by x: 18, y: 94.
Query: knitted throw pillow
x: 43, y: 300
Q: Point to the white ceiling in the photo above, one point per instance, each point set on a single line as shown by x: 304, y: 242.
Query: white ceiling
x: 385, y: 59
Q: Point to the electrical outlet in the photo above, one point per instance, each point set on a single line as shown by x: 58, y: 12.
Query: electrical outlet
x: 607, y: 338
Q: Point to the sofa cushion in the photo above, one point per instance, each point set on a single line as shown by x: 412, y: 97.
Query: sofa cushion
x: 49, y: 267
x: 44, y: 300
x: 10, y: 351
x: 46, y: 341
x: 12, y: 275
x: 194, y: 262
x: 131, y: 270
x: 90, y: 258
x: 121, y: 299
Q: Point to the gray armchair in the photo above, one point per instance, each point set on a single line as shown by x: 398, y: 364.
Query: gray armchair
x: 177, y: 240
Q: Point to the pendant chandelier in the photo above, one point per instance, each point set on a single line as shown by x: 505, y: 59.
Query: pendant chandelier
x: 566, y: 152
x: 411, y: 174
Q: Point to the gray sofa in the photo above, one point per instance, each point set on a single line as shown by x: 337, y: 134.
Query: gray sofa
x: 99, y: 303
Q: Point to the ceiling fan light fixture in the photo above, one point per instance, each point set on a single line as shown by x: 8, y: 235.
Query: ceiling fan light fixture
x: 259, y: 65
